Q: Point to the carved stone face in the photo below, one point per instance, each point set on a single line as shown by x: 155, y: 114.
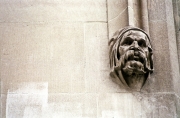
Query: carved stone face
x: 133, y: 40
x: 131, y: 57
x: 135, y: 51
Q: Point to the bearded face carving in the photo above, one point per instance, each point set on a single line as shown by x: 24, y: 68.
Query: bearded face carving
x: 131, y: 58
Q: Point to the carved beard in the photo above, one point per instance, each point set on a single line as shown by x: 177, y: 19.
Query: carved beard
x: 133, y: 63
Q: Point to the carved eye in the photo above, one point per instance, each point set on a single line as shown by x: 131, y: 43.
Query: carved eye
x: 128, y: 41
x: 142, y: 43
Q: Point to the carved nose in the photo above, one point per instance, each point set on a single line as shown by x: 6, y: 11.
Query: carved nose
x: 135, y: 45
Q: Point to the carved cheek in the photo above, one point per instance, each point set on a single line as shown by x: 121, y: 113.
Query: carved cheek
x: 123, y: 49
x: 146, y: 51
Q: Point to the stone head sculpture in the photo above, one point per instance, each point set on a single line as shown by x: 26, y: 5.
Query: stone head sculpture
x: 131, y: 57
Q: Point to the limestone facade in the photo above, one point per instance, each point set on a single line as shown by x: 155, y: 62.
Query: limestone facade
x: 54, y: 59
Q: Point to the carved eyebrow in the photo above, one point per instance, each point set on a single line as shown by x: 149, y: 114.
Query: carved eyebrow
x: 142, y: 39
x: 125, y: 37
x: 127, y: 40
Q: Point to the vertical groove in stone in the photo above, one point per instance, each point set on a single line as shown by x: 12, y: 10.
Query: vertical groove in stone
x: 130, y: 13
x: 144, y: 13
x: 107, y: 19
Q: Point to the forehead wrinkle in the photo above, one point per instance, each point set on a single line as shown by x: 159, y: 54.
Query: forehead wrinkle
x: 138, y: 35
x: 127, y: 33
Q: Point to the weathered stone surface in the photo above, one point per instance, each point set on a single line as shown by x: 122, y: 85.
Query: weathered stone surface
x: 116, y: 7
x: 52, y: 11
x: 176, y: 11
x: 177, y: 99
x: 137, y: 8
x: 118, y: 105
x: 166, y: 63
x: 44, y: 55
x: 33, y: 100
x: 175, y: 72
x: 158, y: 105
x: 64, y: 43
x: 96, y: 60
x: 71, y: 106
x: 3, y: 106
x: 157, y: 10
x: 158, y: 29
x: 67, y: 61
x: 118, y: 22
x: 162, y: 78
x: 92, y: 58
x: 27, y: 99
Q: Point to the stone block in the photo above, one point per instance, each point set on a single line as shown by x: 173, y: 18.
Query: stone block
x: 177, y: 106
x: 108, y: 84
x: 52, y: 10
x: 157, y: 10
x: 118, y: 22
x: 3, y: 105
x: 173, y: 46
x: 118, y: 105
x: 67, y: 60
x: 32, y: 112
x: 95, y: 54
x: 71, y: 106
x: 137, y: 13
x: 116, y: 7
x: 158, y: 106
x: 160, y: 80
x: 46, y: 52
x: 26, y: 99
x: 158, y: 31
x: 25, y: 53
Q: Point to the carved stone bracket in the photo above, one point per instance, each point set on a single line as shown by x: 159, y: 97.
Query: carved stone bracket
x: 131, y: 56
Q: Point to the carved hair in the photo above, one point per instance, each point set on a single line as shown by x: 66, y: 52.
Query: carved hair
x: 114, y: 44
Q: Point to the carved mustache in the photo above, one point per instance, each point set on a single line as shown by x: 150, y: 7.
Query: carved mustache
x: 134, y: 67
x: 134, y: 55
x: 133, y: 61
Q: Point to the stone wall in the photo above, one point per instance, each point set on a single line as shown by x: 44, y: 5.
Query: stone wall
x: 55, y: 62
x: 160, y: 95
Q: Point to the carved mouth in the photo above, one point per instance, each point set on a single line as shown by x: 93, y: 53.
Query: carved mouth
x: 136, y: 58
x: 134, y: 55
